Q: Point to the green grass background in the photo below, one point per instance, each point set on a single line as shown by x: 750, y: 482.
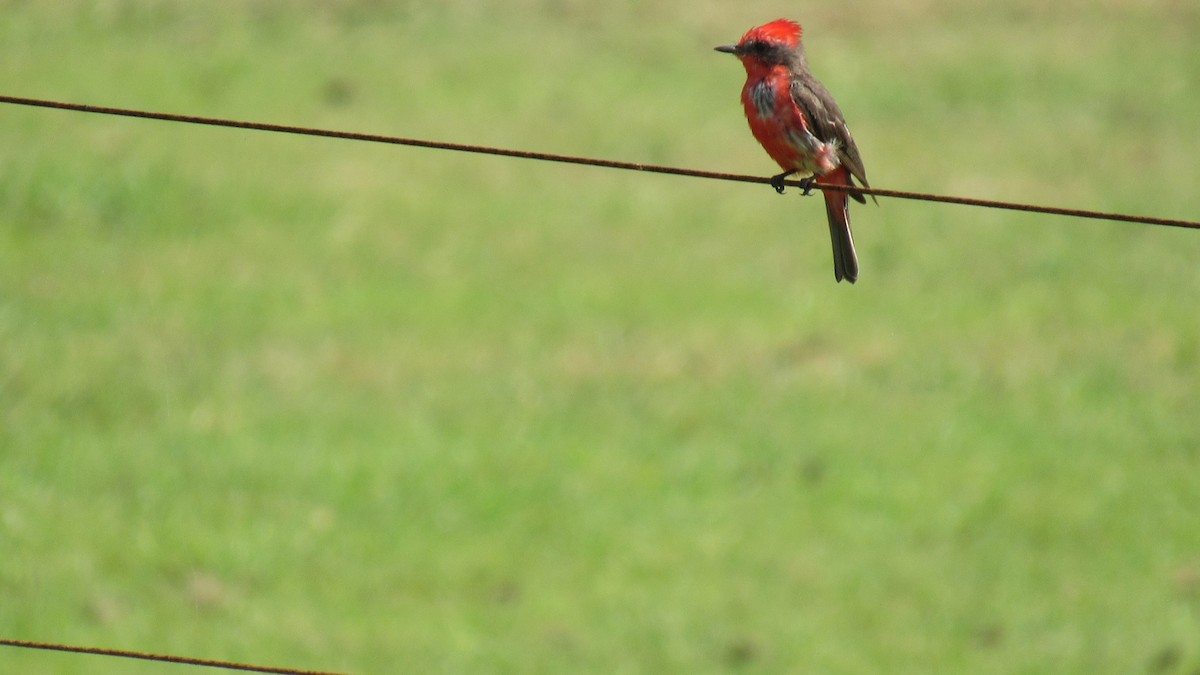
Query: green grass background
x: 332, y: 405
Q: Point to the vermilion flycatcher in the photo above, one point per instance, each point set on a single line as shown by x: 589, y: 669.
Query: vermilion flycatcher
x: 801, y: 127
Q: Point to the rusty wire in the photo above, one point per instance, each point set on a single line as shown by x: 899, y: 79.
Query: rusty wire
x: 162, y: 658
x: 588, y: 161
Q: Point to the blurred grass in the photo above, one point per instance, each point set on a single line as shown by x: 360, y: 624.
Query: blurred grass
x: 336, y: 406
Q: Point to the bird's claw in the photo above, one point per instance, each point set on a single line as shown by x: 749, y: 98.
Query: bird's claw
x: 806, y: 184
x: 777, y: 181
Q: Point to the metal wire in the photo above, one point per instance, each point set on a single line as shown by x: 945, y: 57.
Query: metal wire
x: 587, y: 161
x: 183, y: 660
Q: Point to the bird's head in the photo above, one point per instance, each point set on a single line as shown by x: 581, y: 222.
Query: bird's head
x: 770, y: 44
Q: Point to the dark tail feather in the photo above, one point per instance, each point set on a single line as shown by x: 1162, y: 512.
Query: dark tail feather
x: 859, y: 197
x: 845, y: 260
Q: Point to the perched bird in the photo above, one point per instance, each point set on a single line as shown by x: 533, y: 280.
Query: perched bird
x: 801, y: 127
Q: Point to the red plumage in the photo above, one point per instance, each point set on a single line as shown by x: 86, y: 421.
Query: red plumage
x: 783, y: 31
x: 800, y: 126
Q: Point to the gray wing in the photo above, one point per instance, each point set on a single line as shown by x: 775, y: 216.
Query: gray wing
x: 828, y: 123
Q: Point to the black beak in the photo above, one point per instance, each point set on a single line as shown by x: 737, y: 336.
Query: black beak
x: 728, y: 49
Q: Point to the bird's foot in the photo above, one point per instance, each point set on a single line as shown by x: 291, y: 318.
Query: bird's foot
x: 807, y: 184
x: 777, y: 180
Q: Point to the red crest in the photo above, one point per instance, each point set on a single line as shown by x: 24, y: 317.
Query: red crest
x: 780, y: 31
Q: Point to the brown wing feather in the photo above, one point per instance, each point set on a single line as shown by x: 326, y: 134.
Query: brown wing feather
x: 828, y: 124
